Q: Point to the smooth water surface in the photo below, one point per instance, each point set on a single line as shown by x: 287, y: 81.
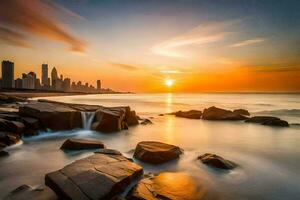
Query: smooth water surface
x: 268, y: 157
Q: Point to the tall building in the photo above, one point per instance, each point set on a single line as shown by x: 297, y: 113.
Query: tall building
x: 45, y: 75
x: 29, y: 80
x: 54, y: 77
x: 7, y: 74
x: 99, y: 85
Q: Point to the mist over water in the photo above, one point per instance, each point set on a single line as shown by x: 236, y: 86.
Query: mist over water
x: 268, y: 157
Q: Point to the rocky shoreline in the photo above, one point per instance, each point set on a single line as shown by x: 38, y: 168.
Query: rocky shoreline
x: 107, y: 173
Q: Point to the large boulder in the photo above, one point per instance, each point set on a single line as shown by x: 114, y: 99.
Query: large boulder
x: 216, y: 161
x: 11, y: 126
x: 242, y: 112
x: 267, y: 120
x: 81, y: 144
x: 168, y: 186
x: 27, y: 192
x: 7, y: 138
x: 191, y: 114
x: 100, y: 176
x: 156, y: 152
x: 54, y: 116
x: 214, y: 113
x: 109, y: 119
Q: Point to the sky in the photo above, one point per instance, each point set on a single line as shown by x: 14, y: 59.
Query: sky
x: 136, y: 45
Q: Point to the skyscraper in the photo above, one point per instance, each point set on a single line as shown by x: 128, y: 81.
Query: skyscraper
x: 45, y: 75
x: 7, y: 74
x: 98, y: 85
x: 54, y: 77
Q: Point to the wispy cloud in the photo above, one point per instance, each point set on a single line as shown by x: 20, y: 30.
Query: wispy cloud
x: 248, y: 42
x: 125, y: 66
x: 200, y: 35
x: 12, y: 37
x: 36, y: 17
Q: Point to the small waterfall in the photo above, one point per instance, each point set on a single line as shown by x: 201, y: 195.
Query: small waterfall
x: 87, y: 119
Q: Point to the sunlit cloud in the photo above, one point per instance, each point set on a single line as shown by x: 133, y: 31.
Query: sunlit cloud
x: 200, y: 35
x: 248, y: 42
x: 125, y: 66
x: 37, y: 18
x: 171, y: 71
x: 14, y: 38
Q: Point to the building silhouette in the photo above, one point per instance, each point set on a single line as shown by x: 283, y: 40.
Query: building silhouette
x: 54, y: 77
x: 99, y: 85
x: 45, y: 79
x: 7, y: 74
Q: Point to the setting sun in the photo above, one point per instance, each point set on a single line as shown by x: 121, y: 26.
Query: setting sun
x: 169, y: 82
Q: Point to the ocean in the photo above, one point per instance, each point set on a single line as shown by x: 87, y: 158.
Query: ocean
x: 268, y: 158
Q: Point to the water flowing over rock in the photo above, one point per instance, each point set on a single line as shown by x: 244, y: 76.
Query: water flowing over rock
x: 168, y: 186
x: 267, y: 120
x: 87, y: 119
x: 26, y: 192
x: 156, y: 152
x: 216, y: 161
x: 81, y: 144
x: 100, y: 176
x: 214, y: 113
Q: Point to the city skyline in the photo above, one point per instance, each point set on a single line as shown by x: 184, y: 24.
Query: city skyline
x: 54, y: 82
x: 202, y: 46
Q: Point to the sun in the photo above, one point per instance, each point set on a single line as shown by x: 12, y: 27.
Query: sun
x: 169, y: 82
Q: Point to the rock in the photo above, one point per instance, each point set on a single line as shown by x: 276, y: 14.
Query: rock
x: 267, y: 120
x: 131, y: 119
x: 8, y: 138
x: 100, y: 176
x: 109, y: 151
x: 216, y: 161
x: 31, y: 123
x: 10, y: 116
x: 156, y: 152
x: 11, y: 126
x: 81, y: 144
x: 161, y: 115
x: 51, y: 115
x: 146, y: 122
x: 3, y: 153
x: 109, y: 120
x: 242, y: 112
x: 191, y: 114
x: 26, y: 192
x: 214, y: 113
x: 168, y: 186
x: 10, y: 99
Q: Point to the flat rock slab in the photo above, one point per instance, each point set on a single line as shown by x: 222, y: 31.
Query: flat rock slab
x: 168, y: 186
x: 100, y: 176
x: 81, y: 144
x: 26, y: 192
x: 156, y: 152
x: 216, y: 161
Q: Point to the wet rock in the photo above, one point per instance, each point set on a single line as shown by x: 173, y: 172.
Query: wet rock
x: 26, y: 192
x: 242, y: 112
x: 7, y: 138
x: 216, y: 161
x: 11, y: 126
x: 100, y: 176
x: 131, y: 119
x: 267, y: 120
x: 156, y: 152
x: 214, y: 113
x: 3, y: 153
x: 31, y: 123
x: 109, y: 119
x: 109, y: 151
x: 51, y: 115
x: 81, y: 144
x: 146, y: 122
x: 191, y: 114
x: 168, y: 186
x: 10, y: 116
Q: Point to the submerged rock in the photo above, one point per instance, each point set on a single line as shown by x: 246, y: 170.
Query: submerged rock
x: 242, y: 112
x: 146, y: 122
x: 216, y: 161
x: 168, y: 186
x: 100, y: 176
x: 26, y: 192
x: 109, y: 151
x: 81, y: 144
x: 267, y: 120
x: 191, y: 114
x: 3, y: 153
x: 156, y: 152
x: 214, y: 113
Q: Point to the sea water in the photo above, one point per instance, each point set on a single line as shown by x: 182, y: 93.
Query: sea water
x: 268, y: 157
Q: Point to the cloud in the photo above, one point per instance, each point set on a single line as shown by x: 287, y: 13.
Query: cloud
x: 12, y: 37
x: 202, y: 34
x: 37, y: 17
x: 171, y: 71
x: 248, y: 42
x: 125, y: 66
